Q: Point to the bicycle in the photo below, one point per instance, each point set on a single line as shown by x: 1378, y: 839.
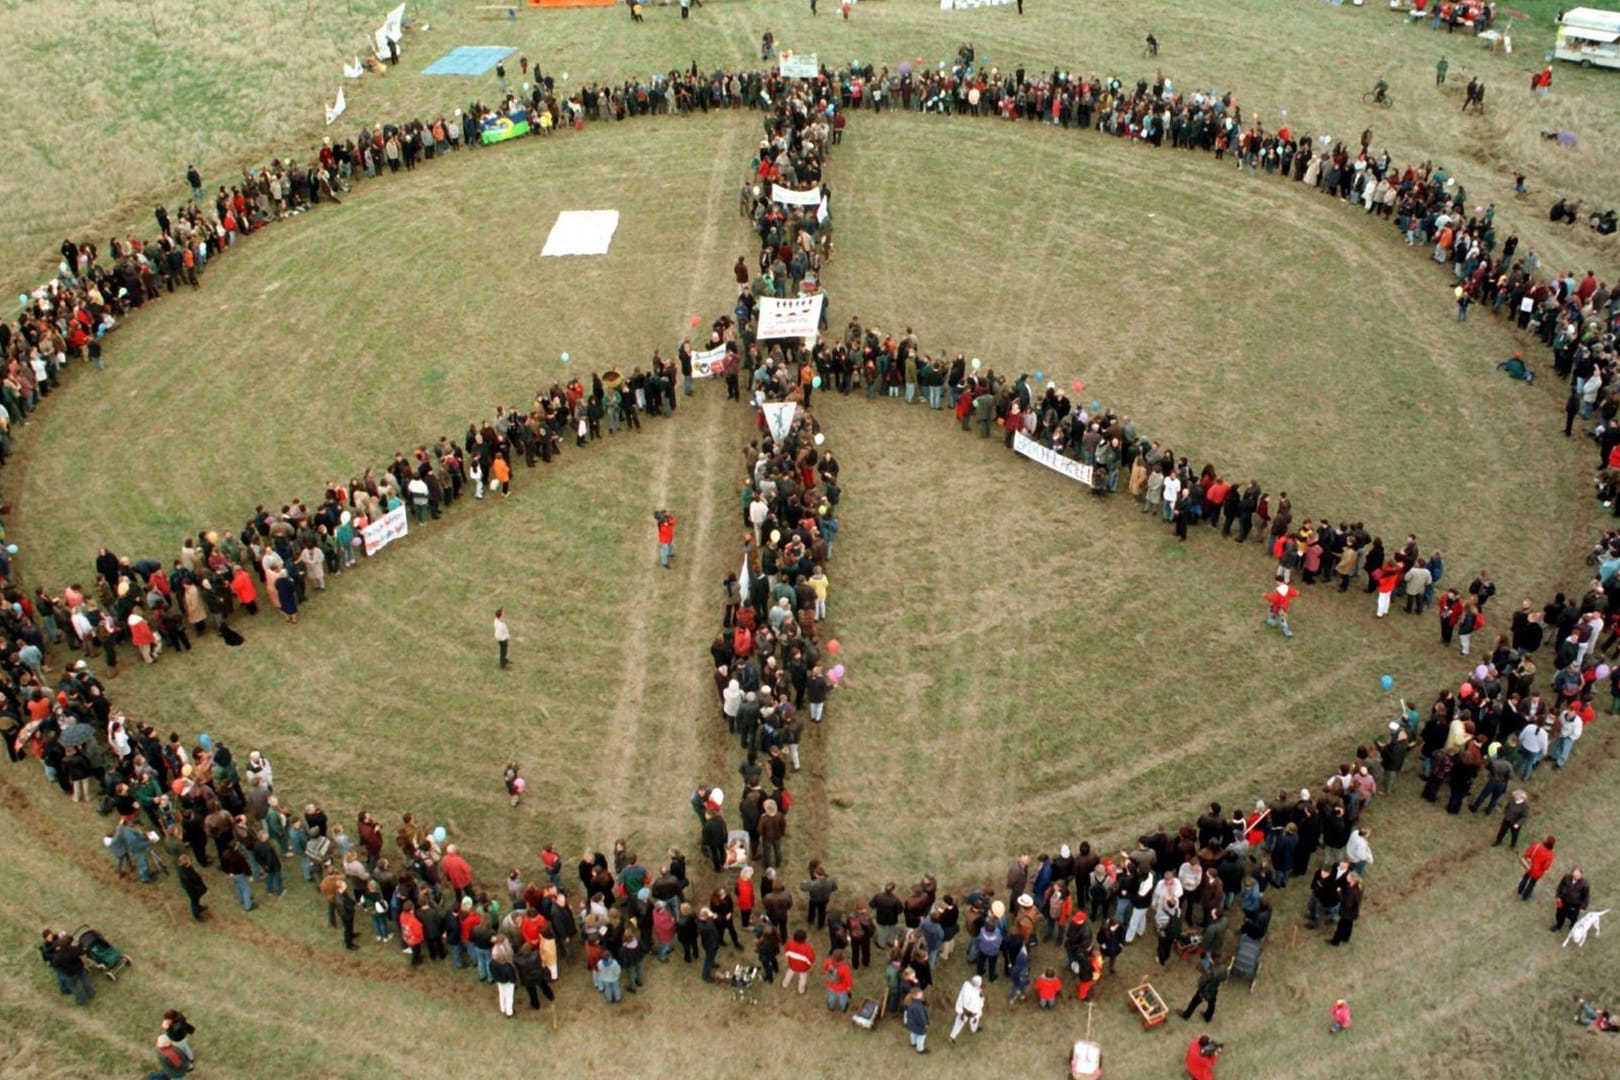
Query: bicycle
x: 1373, y: 97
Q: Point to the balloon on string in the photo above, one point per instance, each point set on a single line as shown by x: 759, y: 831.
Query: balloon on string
x: 438, y: 834
x: 820, y: 438
x: 566, y: 358
x: 22, y: 299
x: 1387, y: 682
x: 695, y: 320
x: 975, y: 363
x: 1603, y: 671
x: 1040, y: 376
x: 833, y: 647
x: 11, y: 549
x: 1096, y: 406
x: 815, y: 383
x: 836, y: 673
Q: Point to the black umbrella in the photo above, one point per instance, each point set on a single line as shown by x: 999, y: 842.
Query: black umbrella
x: 76, y: 734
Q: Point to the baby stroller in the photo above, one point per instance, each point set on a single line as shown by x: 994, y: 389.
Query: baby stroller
x: 99, y: 953
x: 1245, y: 963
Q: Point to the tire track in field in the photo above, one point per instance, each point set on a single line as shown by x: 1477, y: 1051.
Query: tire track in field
x: 626, y: 727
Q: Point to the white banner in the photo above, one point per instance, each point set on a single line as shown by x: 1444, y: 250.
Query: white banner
x: 1051, y: 458
x: 335, y: 110
x: 779, y: 417
x: 796, y: 198
x: 964, y: 5
x: 379, y: 534
x: 821, y: 211
x: 799, y: 317
x: 798, y: 67
x: 708, y: 364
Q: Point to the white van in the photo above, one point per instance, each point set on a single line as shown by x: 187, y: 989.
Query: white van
x: 1589, y: 36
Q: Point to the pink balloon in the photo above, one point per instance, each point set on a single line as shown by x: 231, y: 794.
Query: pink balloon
x: 836, y: 673
x: 833, y: 647
x: 1603, y: 671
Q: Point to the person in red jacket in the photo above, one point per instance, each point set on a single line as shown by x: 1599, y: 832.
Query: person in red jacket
x: 456, y: 870
x: 666, y: 537
x: 1202, y: 1054
x: 1536, y: 860
x: 1387, y: 577
x: 801, y: 956
x: 1047, y: 989
x: 410, y: 931
x: 840, y: 980
x: 243, y: 589
x: 1277, y: 603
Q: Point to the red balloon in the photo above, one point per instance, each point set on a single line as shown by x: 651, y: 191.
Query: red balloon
x: 695, y: 320
x: 833, y: 647
x: 1079, y: 387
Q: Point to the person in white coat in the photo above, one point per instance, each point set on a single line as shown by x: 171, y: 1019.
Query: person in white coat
x: 969, y: 1007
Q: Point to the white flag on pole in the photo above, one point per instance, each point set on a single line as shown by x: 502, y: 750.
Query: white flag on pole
x: 779, y: 417
x: 336, y: 110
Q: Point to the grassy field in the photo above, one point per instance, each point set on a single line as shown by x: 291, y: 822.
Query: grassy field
x: 250, y: 86
x: 1027, y: 667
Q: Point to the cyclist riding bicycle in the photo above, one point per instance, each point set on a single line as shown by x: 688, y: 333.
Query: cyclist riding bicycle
x: 1380, y: 89
x: 1152, y: 45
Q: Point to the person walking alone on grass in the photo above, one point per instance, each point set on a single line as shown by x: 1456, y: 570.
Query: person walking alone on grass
x: 1208, y: 991
x: 1572, y: 897
x: 1277, y: 604
x: 666, y: 537
x: 503, y: 635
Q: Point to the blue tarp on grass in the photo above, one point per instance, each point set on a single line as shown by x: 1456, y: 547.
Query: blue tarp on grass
x: 469, y: 60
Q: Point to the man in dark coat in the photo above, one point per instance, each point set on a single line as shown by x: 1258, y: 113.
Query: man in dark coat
x: 194, y: 885
x: 1209, y: 989
x: 345, y: 912
x: 1349, y: 909
x: 1572, y: 897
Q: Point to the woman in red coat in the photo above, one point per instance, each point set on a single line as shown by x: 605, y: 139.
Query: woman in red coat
x: 243, y: 589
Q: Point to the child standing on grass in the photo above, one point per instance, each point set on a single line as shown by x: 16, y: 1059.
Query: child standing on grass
x: 1340, y: 1015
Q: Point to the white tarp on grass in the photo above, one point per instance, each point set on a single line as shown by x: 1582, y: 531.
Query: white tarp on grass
x: 582, y: 232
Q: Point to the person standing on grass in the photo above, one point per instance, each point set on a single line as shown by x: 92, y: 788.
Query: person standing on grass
x: 916, y: 1021
x: 801, y: 956
x: 1572, y: 897
x: 1349, y: 909
x: 969, y: 1007
x: 666, y: 537
x: 1278, y: 601
x: 840, y: 981
x: 1513, y: 816
x: 503, y: 636
x: 193, y: 885
x: 1536, y: 861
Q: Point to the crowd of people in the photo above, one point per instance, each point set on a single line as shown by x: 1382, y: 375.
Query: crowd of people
x: 1190, y: 888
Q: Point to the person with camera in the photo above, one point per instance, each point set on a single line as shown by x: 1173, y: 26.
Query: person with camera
x: 1201, y: 1057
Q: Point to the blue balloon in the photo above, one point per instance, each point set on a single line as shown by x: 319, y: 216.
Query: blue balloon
x: 11, y: 549
x: 1040, y: 376
x: 207, y: 743
x: 1386, y: 681
x: 1096, y: 406
x: 566, y: 358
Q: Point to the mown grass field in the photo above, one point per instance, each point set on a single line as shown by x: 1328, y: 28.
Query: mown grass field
x: 1028, y: 667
